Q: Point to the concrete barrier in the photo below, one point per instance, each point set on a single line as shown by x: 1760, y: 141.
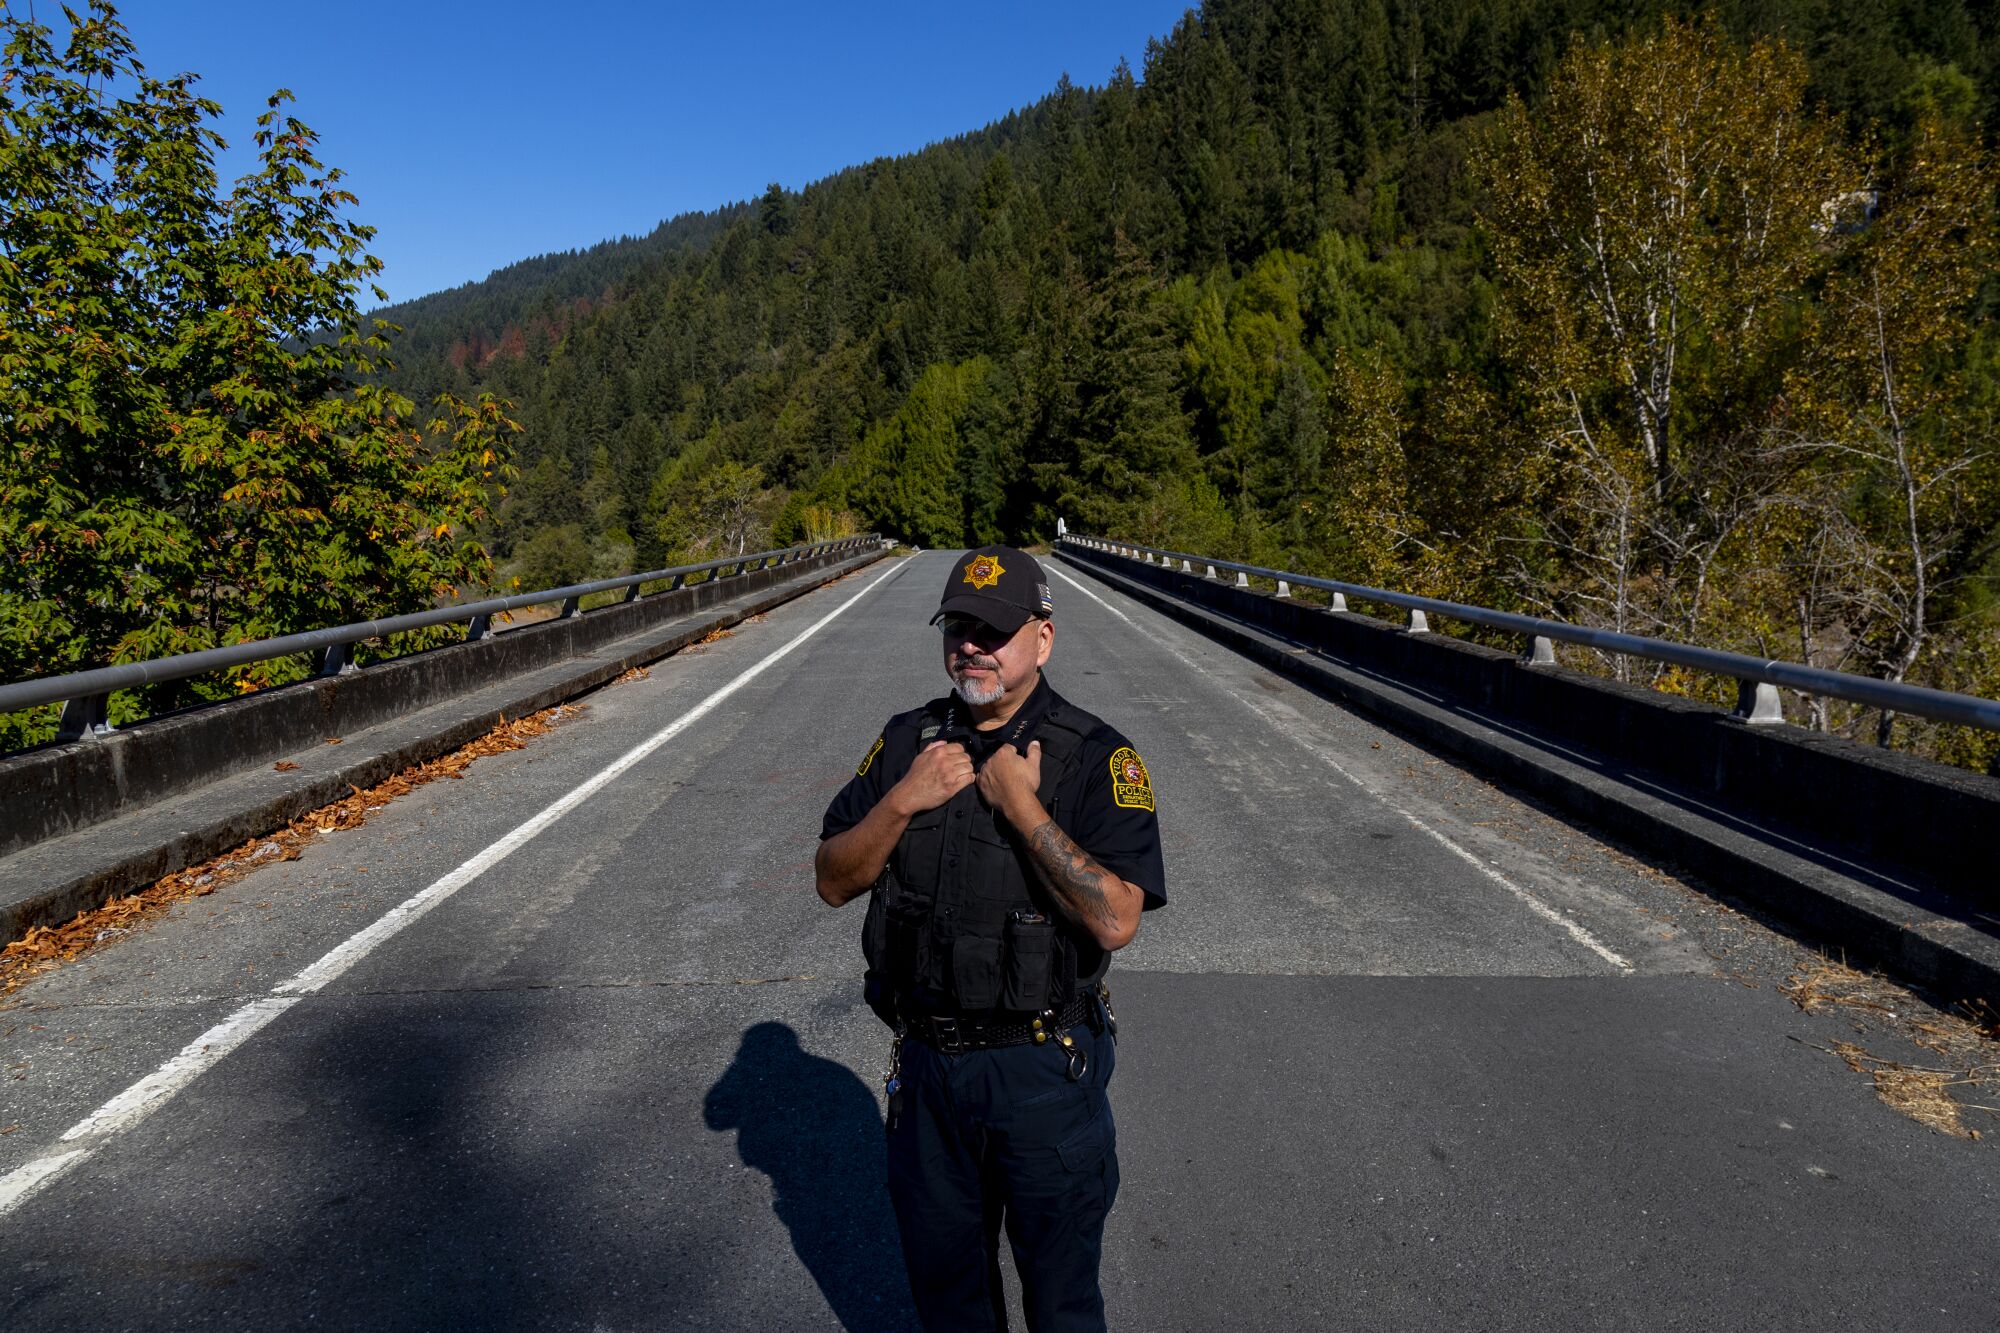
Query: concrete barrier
x: 59, y: 789
x: 1882, y: 805
x: 1887, y: 855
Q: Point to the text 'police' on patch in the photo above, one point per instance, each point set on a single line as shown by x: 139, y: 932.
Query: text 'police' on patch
x: 1131, y: 785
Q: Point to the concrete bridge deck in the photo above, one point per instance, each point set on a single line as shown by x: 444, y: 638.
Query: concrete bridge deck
x: 1404, y: 1052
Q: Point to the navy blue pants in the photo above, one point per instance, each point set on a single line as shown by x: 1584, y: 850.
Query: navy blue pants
x: 1003, y: 1137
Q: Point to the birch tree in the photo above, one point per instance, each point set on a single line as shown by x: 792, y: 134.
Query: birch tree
x: 1897, y: 465
x: 1653, y: 225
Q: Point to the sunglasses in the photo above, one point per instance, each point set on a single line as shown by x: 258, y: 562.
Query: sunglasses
x: 971, y: 629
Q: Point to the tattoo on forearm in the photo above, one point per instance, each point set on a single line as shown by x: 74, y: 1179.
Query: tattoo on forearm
x: 1069, y: 873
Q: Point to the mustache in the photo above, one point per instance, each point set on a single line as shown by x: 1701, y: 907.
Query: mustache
x: 960, y: 663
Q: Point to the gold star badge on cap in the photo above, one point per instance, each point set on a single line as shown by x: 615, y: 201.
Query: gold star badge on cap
x: 983, y: 571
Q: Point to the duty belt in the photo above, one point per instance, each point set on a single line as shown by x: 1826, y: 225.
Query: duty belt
x: 953, y: 1035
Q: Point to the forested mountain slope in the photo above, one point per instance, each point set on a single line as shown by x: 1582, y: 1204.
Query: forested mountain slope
x: 1257, y: 298
x: 465, y: 327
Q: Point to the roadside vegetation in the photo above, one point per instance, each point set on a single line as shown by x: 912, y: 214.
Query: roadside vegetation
x: 1676, y: 320
x: 196, y: 451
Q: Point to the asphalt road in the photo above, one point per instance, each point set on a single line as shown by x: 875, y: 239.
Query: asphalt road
x: 1403, y: 1052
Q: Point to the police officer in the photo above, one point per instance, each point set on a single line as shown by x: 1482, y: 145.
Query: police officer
x: 1010, y: 843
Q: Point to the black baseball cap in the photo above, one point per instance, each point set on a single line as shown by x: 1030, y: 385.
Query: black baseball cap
x: 999, y: 585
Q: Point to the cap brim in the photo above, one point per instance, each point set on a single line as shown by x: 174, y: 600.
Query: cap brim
x: 1000, y: 615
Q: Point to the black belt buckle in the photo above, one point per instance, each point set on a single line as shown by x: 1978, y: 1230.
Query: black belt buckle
x: 945, y: 1035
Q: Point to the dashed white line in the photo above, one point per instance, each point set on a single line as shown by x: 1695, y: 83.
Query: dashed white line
x: 155, y: 1090
x: 1575, y: 929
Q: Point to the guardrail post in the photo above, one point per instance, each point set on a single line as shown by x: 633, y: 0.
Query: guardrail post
x: 680, y: 581
x: 1186, y: 568
x: 572, y: 607
x: 477, y: 628
x: 632, y: 593
x: 1242, y: 579
x: 337, y: 660
x: 85, y: 719
x: 1541, y: 652
x: 1338, y: 602
x: 1419, y: 623
x: 1211, y: 573
x: 1284, y: 588
x: 1758, y: 704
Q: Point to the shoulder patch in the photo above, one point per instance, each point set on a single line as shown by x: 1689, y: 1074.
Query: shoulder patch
x: 1131, y: 785
x: 869, y: 758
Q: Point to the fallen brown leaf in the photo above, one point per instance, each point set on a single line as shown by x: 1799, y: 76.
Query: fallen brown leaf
x: 46, y: 947
x: 284, y: 766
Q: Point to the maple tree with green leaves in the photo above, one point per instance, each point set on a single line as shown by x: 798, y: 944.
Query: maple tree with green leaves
x: 196, y: 451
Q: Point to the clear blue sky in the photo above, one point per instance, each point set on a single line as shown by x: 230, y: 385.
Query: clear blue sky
x: 476, y: 134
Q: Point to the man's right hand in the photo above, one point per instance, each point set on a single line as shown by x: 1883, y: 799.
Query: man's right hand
x: 848, y: 862
x: 940, y: 771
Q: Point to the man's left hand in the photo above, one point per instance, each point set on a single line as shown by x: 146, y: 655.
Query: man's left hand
x: 1009, y: 781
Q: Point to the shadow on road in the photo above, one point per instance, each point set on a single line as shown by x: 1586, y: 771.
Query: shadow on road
x: 812, y: 1126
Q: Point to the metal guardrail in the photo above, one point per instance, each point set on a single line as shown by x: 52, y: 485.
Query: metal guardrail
x: 1757, y: 679
x: 86, y: 695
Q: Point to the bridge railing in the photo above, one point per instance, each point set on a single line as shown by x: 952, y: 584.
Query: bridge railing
x: 1757, y: 679
x: 86, y: 695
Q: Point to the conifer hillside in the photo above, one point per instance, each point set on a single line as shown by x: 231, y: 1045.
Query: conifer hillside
x: 1506, y: 300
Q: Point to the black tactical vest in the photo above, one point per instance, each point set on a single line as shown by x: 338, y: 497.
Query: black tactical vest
x: 952, y: 921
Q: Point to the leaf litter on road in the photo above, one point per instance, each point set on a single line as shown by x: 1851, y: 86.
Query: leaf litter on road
x: 1968, y: 1039
x: 45, y: 948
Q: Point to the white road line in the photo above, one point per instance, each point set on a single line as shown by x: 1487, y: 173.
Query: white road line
x: 155, y: 1090
x: 150, y: 1093
x: 23, y: 1183
x: 1554, y: 916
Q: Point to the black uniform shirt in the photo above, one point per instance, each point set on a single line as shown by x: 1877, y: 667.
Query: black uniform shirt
x: 1105, y: 805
